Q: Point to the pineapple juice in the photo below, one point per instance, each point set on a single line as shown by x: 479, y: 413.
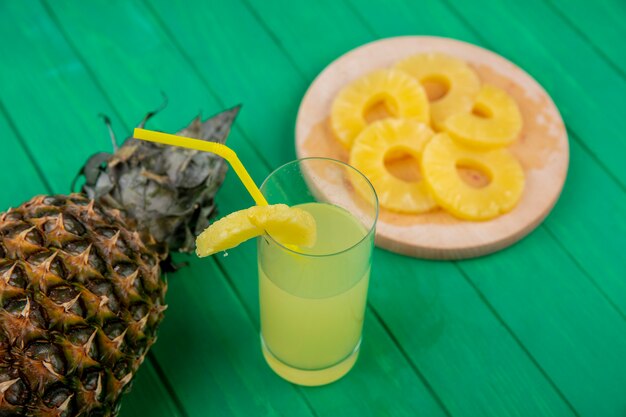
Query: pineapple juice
x: 312, y: 303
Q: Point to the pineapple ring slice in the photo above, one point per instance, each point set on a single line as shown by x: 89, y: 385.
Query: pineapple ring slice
x: 439, y: 164
x: 288, y: 225
x: 368, y: 156
x: 495, y: 121
x: 459, y: 79
x: 402, y: 96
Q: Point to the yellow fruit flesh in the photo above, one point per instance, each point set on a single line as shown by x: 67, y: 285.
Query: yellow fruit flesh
x: 439, y: 165
x: 456, y: 82
x: 494, y: 122
x: 287, y: 225
x: 368, y: 156
x: 403, y: 97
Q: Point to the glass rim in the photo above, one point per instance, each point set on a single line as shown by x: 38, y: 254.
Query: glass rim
x: 371, y: 229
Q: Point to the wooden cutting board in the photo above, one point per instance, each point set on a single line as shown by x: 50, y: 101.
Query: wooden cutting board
x: 542, y: 149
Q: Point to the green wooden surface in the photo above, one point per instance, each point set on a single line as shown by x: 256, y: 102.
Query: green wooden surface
x: 537, y: 329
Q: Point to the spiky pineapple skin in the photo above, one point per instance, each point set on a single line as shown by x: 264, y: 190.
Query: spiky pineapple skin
x: 81, y: 299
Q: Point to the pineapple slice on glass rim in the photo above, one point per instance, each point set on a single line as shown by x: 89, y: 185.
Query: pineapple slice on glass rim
x: 450, y: 83
x: 440, y: 162
x: 292, y: 227
x: 375, y: 144
x: 401, y: 95
x: 493, y: 121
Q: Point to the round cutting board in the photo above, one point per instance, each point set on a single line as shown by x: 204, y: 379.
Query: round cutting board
x: 542, y: 149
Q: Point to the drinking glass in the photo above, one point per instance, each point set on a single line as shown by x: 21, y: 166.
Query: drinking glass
x: 312, y: 300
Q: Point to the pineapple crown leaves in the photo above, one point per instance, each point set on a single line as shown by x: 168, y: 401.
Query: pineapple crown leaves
x: 165, y: 192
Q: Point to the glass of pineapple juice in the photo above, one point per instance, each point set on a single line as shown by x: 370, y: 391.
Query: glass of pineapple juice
x: 312, y: 300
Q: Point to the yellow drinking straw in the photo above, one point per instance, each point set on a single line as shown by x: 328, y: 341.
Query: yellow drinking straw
x: 204, y: 146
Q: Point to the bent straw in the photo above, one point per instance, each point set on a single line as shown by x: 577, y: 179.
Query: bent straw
x: 201, y: 145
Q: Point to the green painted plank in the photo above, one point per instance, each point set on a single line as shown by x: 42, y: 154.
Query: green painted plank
x: 470, y: 359
x: 235, y: 75
x: 40, y: 93
x: 327, y: 42
x: 229, y: 71
x: 408, y: 396
x: 19, y: 178
x: 589, y: 222
x: 566, y: 325
x: 601, y: 23
x: 587, y: 90
x: 133, y: 64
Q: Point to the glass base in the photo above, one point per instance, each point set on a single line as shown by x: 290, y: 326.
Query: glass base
x: 307, y: 377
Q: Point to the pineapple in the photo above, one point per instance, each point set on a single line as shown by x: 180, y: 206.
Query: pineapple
x: 288, y: 225
x: 493, y: 121
x: 80, y: 287
x: 81, y: 301
x: 368, y: 156
x: 402, y: 96
x: 449, y: 82
x: 440, y: 161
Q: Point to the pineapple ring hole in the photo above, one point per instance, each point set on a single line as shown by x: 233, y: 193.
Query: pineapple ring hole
x: 482, y: 111
x: 436, y: 87
x: 473, y: 173
x: 402, y: 164
x: 380, y: 107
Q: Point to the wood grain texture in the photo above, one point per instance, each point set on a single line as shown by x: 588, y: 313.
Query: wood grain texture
x: 19, y: 179
x: 595, y: 242
x: 601, y: 24
x: 47, y: 83
x: 456, y: 341
x: 236, y: 76
x: 565, y: 323
x: 542, y: 149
